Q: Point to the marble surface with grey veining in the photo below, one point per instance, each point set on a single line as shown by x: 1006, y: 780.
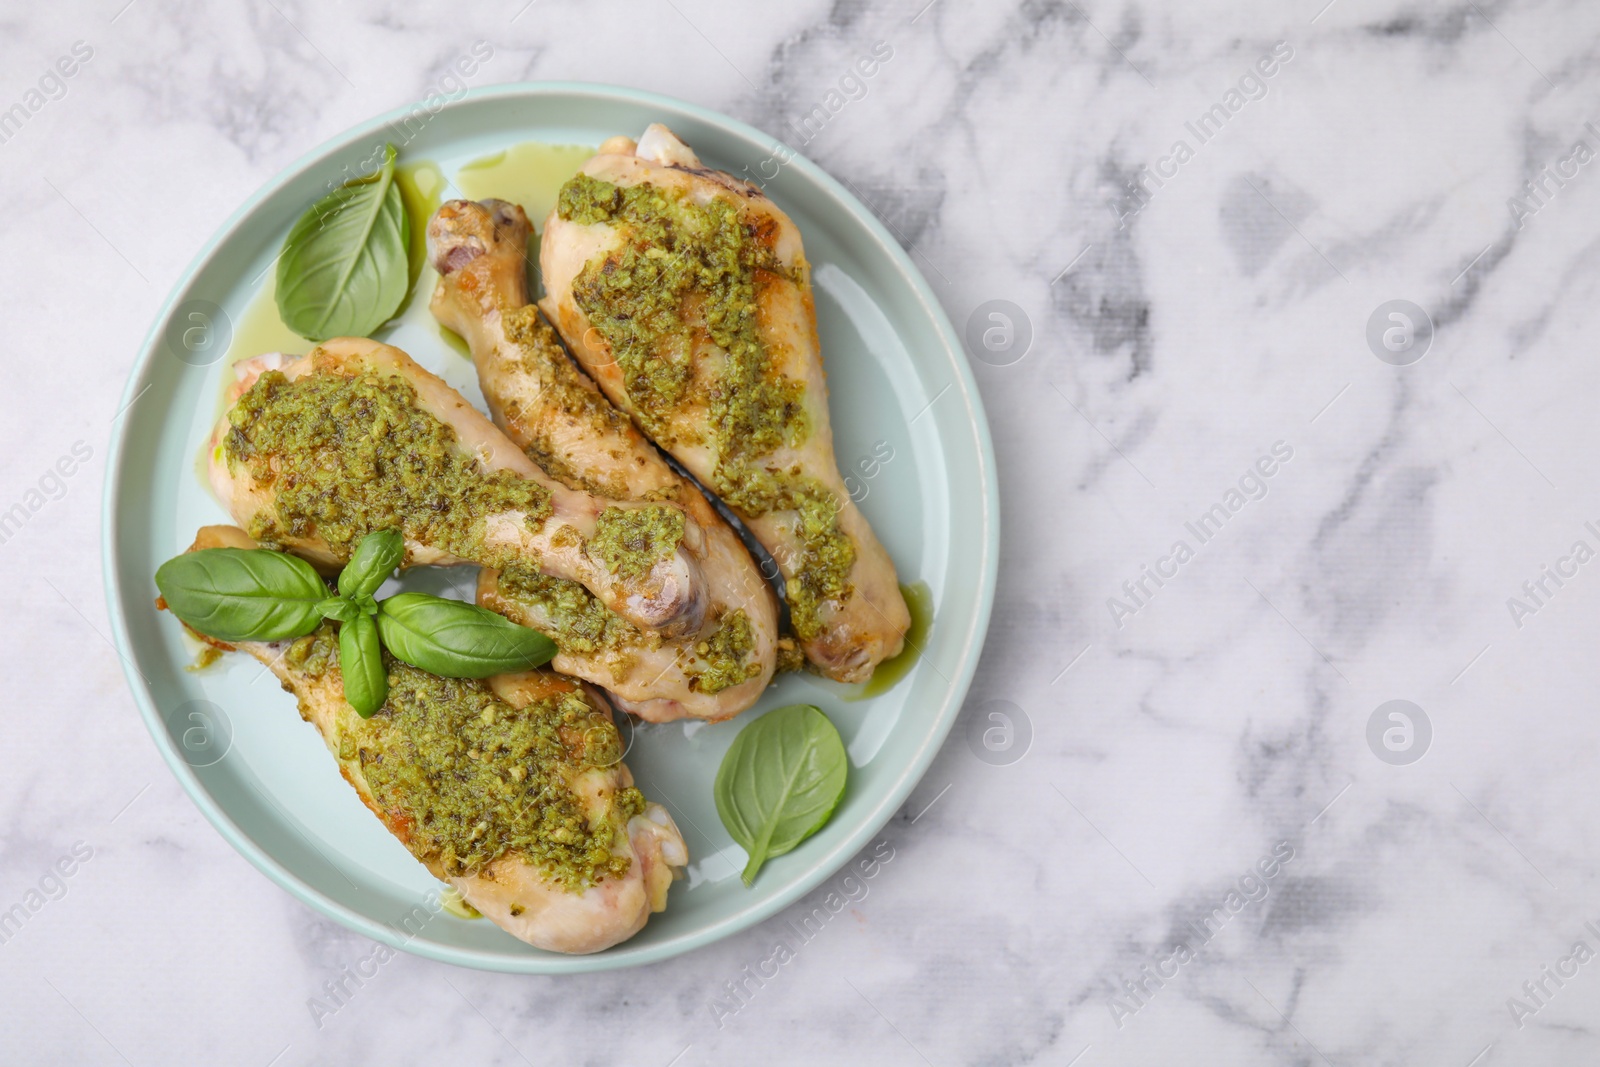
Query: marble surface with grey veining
x: 1205, y: 836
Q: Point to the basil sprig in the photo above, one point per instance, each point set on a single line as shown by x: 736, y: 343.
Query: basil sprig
x: 780, y: 781
x: 344, y: 269
x: 253, y: 594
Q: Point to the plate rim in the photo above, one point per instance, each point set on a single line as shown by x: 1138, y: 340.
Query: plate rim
x: 826, y: 864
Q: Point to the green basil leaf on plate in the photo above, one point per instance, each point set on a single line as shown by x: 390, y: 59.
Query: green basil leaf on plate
x: 375, y: 558
x: 343, y: 271
x: 780, y: 781
x: 366, y: 682
x: 243, y: 594
x: 458, y: 640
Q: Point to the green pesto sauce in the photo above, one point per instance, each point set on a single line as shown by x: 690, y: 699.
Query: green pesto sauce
x: 684, y: 268
x: 346, y: 456
x: 478, y: 778
x: 727, y: 654
x: 571, y: 616
x: 631, y: 541
x: 579, y: 624
x: 826, y: 555
x: 314, y: 653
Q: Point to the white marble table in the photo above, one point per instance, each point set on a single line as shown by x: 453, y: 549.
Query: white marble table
x: 1198, y: 857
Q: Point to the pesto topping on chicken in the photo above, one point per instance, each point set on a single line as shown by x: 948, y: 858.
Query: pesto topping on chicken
x: 473, y: 778
x: 822, y: 572
x: 467, y: 777
x: 686, y: 270
x: 631, y: 541
x: 348, y: 455
x: 570, y: 615
x: 314, y: 653
x: 726, y: 653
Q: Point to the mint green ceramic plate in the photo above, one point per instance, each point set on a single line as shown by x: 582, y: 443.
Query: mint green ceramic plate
x: 899, y: 385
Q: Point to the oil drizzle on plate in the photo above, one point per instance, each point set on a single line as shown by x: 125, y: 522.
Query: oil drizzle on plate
x: 422, y: 188
x: 530, y: 174
x: 421, y: 191
x: 451, y: 900
x: 260, y: 329
x: 919, y: 599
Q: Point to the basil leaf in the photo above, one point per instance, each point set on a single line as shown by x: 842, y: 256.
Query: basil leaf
x: 366, y: 682
x: 780, y: 781
x: 375, y: 558
x: 458, y: 640
x: 243, y: 594
x: 343, y: 271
